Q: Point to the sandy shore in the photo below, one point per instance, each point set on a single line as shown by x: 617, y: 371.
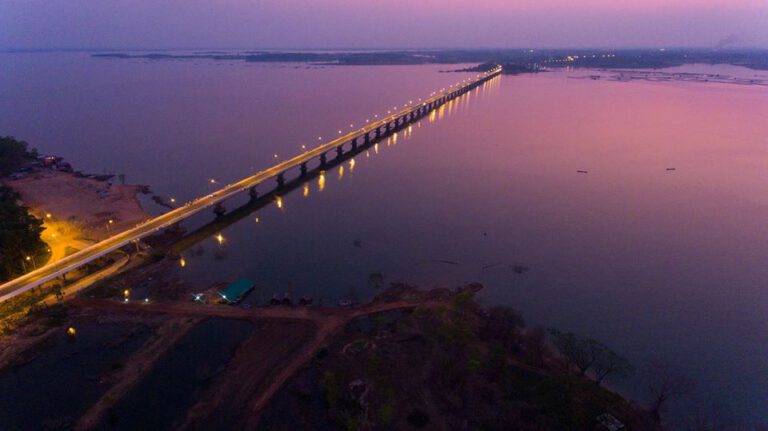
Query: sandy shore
x: 80, y: 208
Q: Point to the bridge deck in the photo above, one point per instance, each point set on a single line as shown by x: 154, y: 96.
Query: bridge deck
x: 48, y: 272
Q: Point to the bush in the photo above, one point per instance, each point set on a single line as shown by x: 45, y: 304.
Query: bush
x: 418, y: 418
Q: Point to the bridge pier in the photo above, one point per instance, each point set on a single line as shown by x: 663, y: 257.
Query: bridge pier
x: 354, y: 144
x: 339, y: 151
x: 378, y: 133
x: 367, y: 139
x: 175, y: 228
x: 219, y: 210
x: 253, y: 194
x: 303, y: 168
x: 323, y: 160
x: 281, y: 180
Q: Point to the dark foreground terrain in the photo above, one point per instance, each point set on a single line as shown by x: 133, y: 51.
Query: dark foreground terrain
x: 453, y: 366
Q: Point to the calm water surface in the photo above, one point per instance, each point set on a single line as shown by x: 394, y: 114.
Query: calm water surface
x: 659, y: 264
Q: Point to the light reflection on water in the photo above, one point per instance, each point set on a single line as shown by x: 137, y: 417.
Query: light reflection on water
x: 655, y: 263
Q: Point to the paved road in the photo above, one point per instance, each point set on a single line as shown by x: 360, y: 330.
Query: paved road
x: 152, y: 226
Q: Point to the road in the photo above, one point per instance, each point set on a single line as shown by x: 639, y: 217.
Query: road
x: 48, y: 272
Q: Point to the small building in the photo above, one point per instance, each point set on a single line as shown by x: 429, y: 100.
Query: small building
x: 236, y: 291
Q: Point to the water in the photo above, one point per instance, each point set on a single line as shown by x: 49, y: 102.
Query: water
x: 59, y: 384
x: 162, y: 398
x: 658, y: 264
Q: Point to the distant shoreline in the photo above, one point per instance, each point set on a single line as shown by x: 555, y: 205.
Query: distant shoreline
x: 756, y: 59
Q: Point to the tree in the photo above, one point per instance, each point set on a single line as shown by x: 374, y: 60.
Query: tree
x: 581, y: 352
x: 665, y: 382
x: 19, y: 234
x: 13, y: 154
x: 611, y: 363
x: 535, y: 346
x: 588, y: 354
x: 505, y: 316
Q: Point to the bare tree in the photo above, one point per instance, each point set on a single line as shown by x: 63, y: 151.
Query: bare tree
x: 581, y: 352
x: 665, y: 383
x: 611, y: 363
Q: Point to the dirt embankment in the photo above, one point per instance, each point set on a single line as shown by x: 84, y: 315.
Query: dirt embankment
x: 84, y: 203
x: 140, y: 363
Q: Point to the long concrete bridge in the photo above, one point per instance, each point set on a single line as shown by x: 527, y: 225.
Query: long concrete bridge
x: 360, y: 137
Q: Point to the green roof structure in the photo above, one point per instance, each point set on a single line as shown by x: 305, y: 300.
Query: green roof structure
x: 236, y: 291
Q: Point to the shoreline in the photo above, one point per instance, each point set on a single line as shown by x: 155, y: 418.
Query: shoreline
x: 289, y: 341
x: 77, y: 210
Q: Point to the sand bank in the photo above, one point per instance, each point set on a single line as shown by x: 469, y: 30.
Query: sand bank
x: 85, y: 204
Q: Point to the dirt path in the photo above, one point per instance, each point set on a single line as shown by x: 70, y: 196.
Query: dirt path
x: 319, y: 315
x: 89, y: 280
x: 254, y: 370
x: 137, y: 365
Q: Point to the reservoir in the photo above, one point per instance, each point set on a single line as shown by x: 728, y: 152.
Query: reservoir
x: 657, y: 248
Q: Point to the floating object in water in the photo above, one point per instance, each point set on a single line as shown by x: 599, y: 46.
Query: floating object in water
x: 275, y: 299
x: 671, y: 169
x: 447, y: 262
x: 287, y: 299
x: 582, y: 172
x: 519, y: 269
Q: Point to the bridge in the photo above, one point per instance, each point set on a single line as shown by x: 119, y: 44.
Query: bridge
x: 353, y: 140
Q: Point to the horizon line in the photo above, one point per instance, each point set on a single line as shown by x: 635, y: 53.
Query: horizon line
x: 348, y: 49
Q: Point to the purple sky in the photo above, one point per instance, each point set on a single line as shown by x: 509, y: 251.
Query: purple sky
x: 379, y: 23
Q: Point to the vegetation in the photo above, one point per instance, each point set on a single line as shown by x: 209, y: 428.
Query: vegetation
x: 666, y: 383
x: 515, y: 60
x: 14, y: 154
x: 454, y: 366
x: 20, y: 243
x: 589, y: 355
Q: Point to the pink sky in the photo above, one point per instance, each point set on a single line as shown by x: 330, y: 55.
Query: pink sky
x: 378, y: 23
